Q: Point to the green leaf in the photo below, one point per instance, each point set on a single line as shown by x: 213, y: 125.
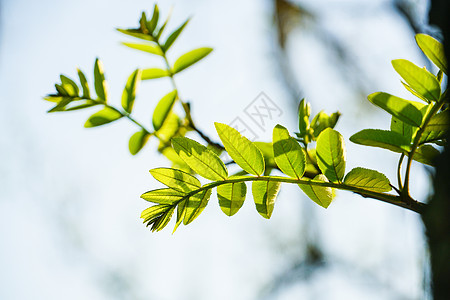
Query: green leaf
x: 173, y: 36
x: 330, y: 153
x: 163, y: 196
x: 161, y: 29
x: 231, y: 197
x: 415, y: 93
x: 138, y: 141
x: 61, y: 106
x: 241, y: 150
x: 267, y: 152
x: 163, y: 108
x: 176, y: 179
x: 100, y: 83
x: 154, y: 73
x: 304, y: 111
x: 162, y: 221
x: 264, y: 194
x: 76, y: 105
x: 382, y: 139
x: 195, y: 205
x: 203, y: 161
x: 402, y: 109
x: 433, y: 49
x: 84, y: 84
x: 319, y: 194
x: 426, y: 154
x: 188, y: 59
x: 420, y: 80
x: 154, y: 211
x: 149, y: 48
x: 69, y: 86
x: 436, y: 128
x: 102, y: 117
x: 181, y: 213
x: 137, y: 34
x: 288, y: 153
x: 151, y: 25
x: 368, y: 179
x: 129, y: 93
x: 169, y: 128
x: 402, y: 128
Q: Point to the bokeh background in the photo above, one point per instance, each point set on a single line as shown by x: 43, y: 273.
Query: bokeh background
x: 70, y: 206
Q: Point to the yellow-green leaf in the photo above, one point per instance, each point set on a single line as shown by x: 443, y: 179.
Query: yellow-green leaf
x: 129, y: 93
x: 188, y: 59
x: 154, y: 73
x: 319, y: 194
x: 264, y: 195
x: 288, y: 153
x: 241, y: 150
x: 176, y: 179
x: 84, y: 84
x: 231, y: 197
x: 426, y: 154
x: 390, y: 140
x: 138, y: 141
x: 173, y: 36
x: 102, y: 117
x: 149, y: 48
x: 203, y: 161
x: 99, y: 81
x: 163, y: 196
x: 330, y: 154
x: 368, y: 179
x: 163, y: 109
x: 433, y: 49
x: 195, y: 205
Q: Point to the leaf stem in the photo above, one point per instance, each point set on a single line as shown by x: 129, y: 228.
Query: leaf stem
x: 399, y: 172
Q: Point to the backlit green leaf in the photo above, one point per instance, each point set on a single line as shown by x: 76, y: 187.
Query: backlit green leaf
x: 137, y: 34
x: 304, y: 111
x: 426, y: 154
x: 100, y: 83
x: 154, y: 73
x: 149, y: 48
x: 264, y: 194
x: 76, y: 105
x: 151, y: 25
x: 170, y: 127
x: 368, y: 179
x: 319, y: 194
x: 203, y: 161
x: 173, y: 36
x: 383, y: 139
x: 138, y: 141
x: 436, y: 128
x: 195, y: 205
x: 181, y: 213
x: 330, y: 154
x: 163, y: 109
x: 415, y: 93
x: 163, y: 196
x: 162, y: 221
x: 231, y: 197
x: 188, y: 59
x: 102, y: 117
x: 420, y: 80
x: 84, y: 84
x: 129, y: 93
x: 404, y: 129
x: 69, y: 86
x: 288, y: 153
x: 267, y: 152
x: 402, y: 109
x: 433, y: 49
x: 241, y: 150
x: 176, y: 179
x: 154, y: 211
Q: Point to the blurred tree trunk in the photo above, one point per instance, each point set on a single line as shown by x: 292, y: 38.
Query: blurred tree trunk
x: 436, y: 218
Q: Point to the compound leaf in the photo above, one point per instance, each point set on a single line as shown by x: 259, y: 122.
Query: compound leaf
x: 241, y: 150
x: 231, y: 197
x: 264, y: 194
x: 188, y: 59
x: 368, y: 179
x: 288, y: 153
x: 102, y: 117
x: 203, y: 161
x: 129, y: 93
x: 319, y: 194
x: 402, y: 109
x: 330, y: 153
x: 163, y: 108
x: 176, y: 179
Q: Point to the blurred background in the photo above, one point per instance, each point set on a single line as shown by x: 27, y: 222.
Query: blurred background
x: 70, y: 206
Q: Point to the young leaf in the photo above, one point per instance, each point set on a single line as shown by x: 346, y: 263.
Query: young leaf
x: 426, y: 154
x: 69, y: 86
x: 176, y: 179
x: 154, y: 211
x: 420, y: 80
x: 138, y: 141
x: 160, y: 222
x: 163, y: 196
x: 173, y: 36
x: 102, y: 117
x: 188, y: 59
x: 304, y: 111
x: 154, y: 73
x: 231, y: 197
x: 433, y: 49
x: 241, y: 150
x: 288, y: 153
x: 383, y: 139
x: 195, y: 205
x: 84, y: 84
x: 368, y: 179
x: 203, y: 161
x: 137, y: 34
x: 99, y: 79
x: 264, y: 194
x: 402, y: 109
x: 319, y: 194
x: 330, y: 153
x: 149, y: 48
x: 129, y: 93
x: 151, y: 25
x: 163, y: 109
